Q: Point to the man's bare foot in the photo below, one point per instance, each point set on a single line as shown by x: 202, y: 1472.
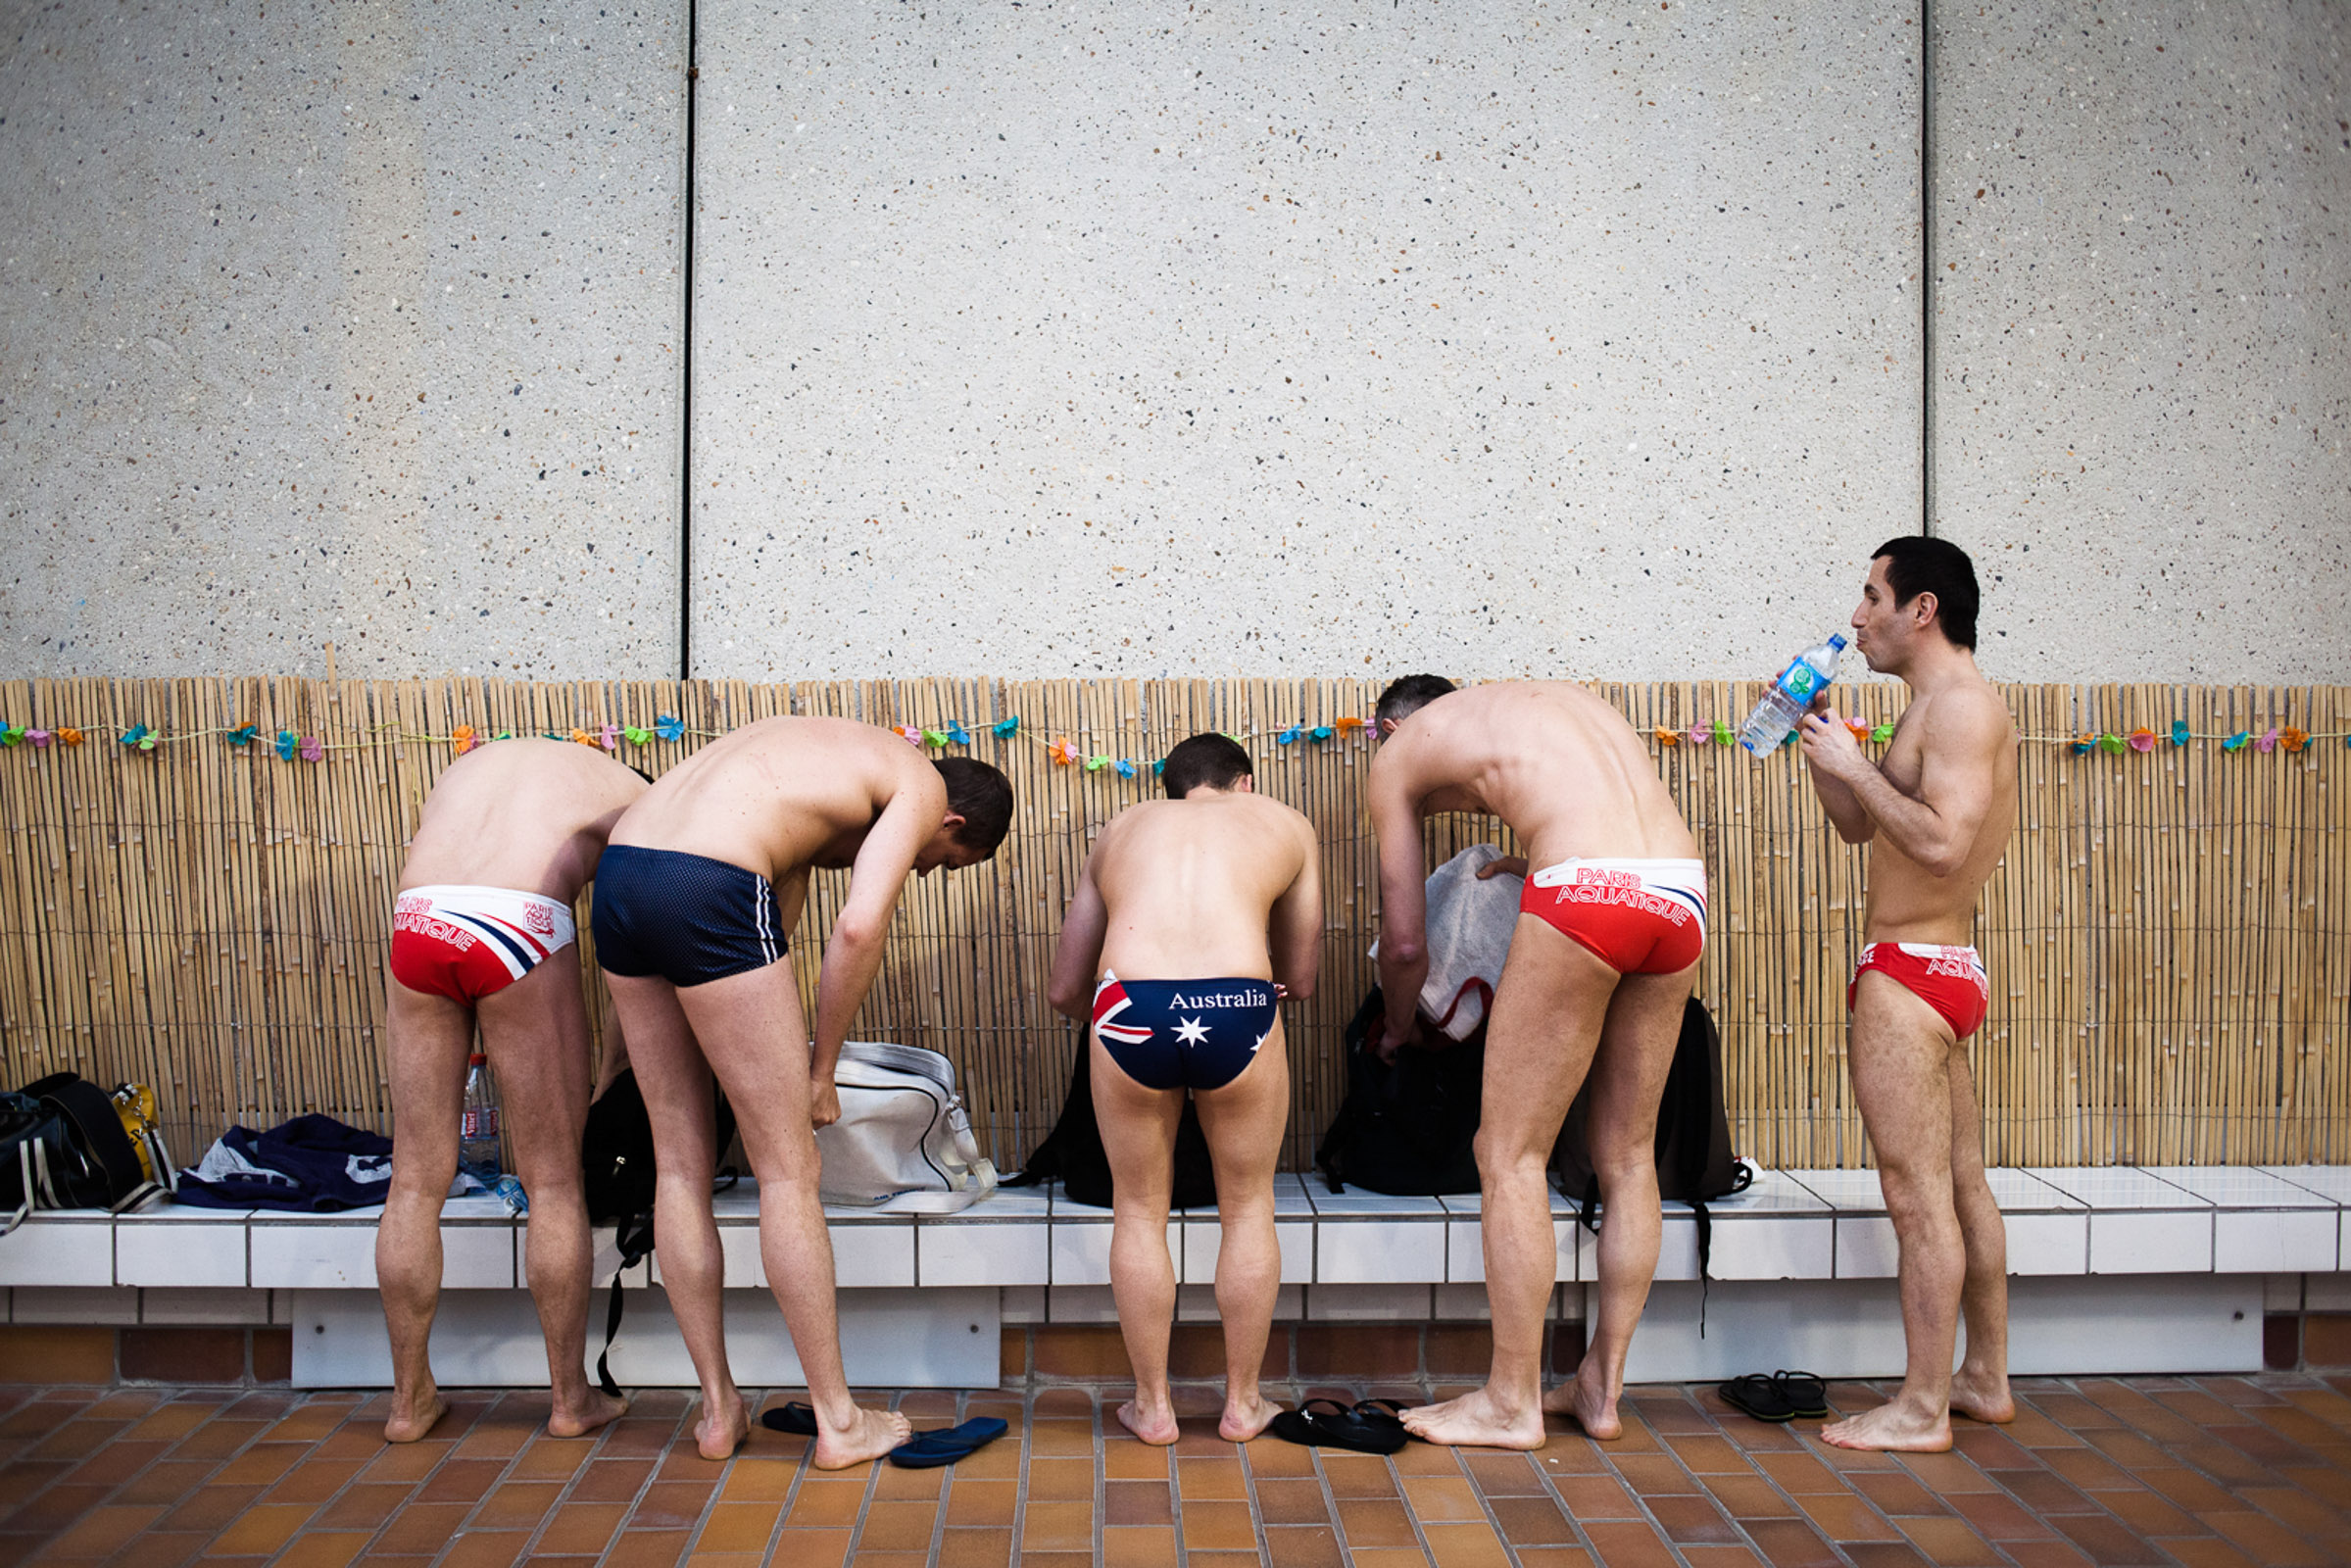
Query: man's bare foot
x: 1155, y: 1425
x: 725, y: 1425
x: 1476, y: 1421
x: 597, y: 1408
x: 1983, y: 1396
x: 871, y: 1435
x: 1892, y: 1428
x: 412, y: 1418
x: 1244, y: 1419
x: 1589, y: 1408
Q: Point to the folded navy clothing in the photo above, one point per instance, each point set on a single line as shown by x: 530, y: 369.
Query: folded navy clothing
x: 312, y: 1165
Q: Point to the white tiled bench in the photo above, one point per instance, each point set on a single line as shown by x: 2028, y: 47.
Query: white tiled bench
x: 1798, y: 1269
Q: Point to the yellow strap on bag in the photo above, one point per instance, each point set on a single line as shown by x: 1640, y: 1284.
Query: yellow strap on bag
x: 142, y: 1124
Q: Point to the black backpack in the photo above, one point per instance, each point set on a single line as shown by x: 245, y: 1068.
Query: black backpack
x: 1074, y: 1152
x: 1408, y: 1127
x: 62, y: 1146
x: 615, y: 1150
x: 1694, y: 1162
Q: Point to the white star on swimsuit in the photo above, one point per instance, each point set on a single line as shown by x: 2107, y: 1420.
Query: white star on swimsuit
x: 1192, y: 1032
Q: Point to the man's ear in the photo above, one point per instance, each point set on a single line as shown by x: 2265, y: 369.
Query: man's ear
x: 954, y: 824
x: 1923, y: 606
x: 1246, y: 784
x: 1387, y: 727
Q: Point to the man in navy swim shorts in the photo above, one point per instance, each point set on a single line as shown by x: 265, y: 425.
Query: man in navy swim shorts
x: 694, y: 902
x: 1193, y: 918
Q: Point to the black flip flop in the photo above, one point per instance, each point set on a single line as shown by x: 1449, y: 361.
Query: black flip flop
x: 1337, y: 1426
x: 799, y: 1420
x: 1382, y: 1413
x: 1805, y: 1396
x: 1758, y: 1396
x: 928, y: 1450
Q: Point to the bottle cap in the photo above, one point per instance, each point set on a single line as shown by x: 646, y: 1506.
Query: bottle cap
x: 477, y: 1059
x: 1836, y: 640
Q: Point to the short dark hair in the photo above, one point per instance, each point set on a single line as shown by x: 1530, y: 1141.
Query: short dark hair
x: 1216, y: 760
x: 982, y: 797
x: 1408, y: 695
x: 1916, y: 565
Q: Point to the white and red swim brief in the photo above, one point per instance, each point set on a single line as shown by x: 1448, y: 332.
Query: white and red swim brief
x: 1637, y: 916
x: 466, y: 943
x: 1951, y: 980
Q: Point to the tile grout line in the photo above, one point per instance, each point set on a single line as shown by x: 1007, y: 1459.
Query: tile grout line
x: 629, y: 1508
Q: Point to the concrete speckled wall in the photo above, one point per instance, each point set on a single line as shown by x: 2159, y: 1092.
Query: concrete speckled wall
x: 327, y: 322
x: 2142, y: 291
x: 1249, y: 338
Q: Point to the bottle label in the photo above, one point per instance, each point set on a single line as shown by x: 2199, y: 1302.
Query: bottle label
x: 1801, y: 681
x: 480, y: 1121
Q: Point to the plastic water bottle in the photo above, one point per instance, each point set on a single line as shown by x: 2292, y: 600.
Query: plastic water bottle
x: 477, y: 1128
x: 1790, y: 693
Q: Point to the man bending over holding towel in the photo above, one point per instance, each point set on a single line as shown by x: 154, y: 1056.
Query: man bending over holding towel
x: 1938, y: 810
x: 695, y: 903
x: 1609, y: 931
x: 1193, y: 918
x: 482, y: 935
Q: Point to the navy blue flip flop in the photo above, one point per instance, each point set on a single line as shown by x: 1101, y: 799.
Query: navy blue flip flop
x: 799, y: 1420
x: 928, y: 1450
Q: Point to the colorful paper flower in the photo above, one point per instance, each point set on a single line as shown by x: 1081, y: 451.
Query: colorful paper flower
x: 11, y: 734
x: 1158, y: 767
x: 1007, y: 728
x: 668, y: 726
x: 580, y: 737
x: 2180, y: 735
x: 2143, y: 739
x: 312, y: 748
x: 956, y: 733
x: 934, y: 737
x: 1320, y: 733
x: 1351, y: 724
x: 1722, y: 734
x: 38, y: 737
x: 1882, y: 733
x: 1062, y: 753
x: 2112, y: 744
x: 136, y: 738
x: 2238, y: 741
x: 243, y: 735
x: 287, y: 744
x: 2084, y: 744
x: 2293, y: 738
x: 1287, y: 736
x: 1697, y: 734
x: 2267, y: 742
x: 1126, y: 769
x: 636, y: 734
x: 610, y: 737
x: 463, y: 740
x: 1095, y: 765
x: 908, y: 733
x: 1666, y: 737
x: 69, y: 735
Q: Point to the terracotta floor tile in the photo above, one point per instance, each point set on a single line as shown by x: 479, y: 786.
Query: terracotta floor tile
x: 1634, y: 1544
x: 2209, y: 1551
x: 1218, y: 1527
x: 1503, y: 1475
x: 2088, y: 1468
x: 1998, y: 1516
x: 975, y: 1549
x: 898, y: 1526
x: 1210, y: 1480
x: 1066, y: 1526
x: 1281, y: 1502
x: 162, y: 1550
x: 1446, y: 1498
x: 1946, y: 1473
x: 263, y: 1463
x: 359, y: 1507
x: 986, y: 1504
x: 1134, y: 1504
x: 1884, y: 1554
x: 1373, y: 1522
x: 1798, y: 1472
x: 1846, y: 1518
x: 1358, y: 1476
x: 823, y: 1504
x: 2266, y: 1538
x: 1534, y: 1557
x: 1949, y: 1543
x: 1427, y: 1459
x: 1125, y: 1459
x: 103, y: 1531
x: 60, y: 1506
x: 1132, y: 1546
x: 2107, y: 1541
x: 324, y: 1549
x: 166, y: 1483
x: 1791, y: 1544
x: 648, y: 1548
x: 1070, y: 1480
x: 261, y: 1531
x: 515, y: 1505
x: 678, y: 1504
x: 485, y: 1548
x: 1655, y: 1475
x: 1749, y: 1496
x: 1271, y: 1457
x: 116, y: 1462
x: 1299, y: 1547
x: 1687, y: 1520
x: 902, y: 1486
x: 1720, y: 1557
x: 739, y: 1526
x: 2051, y: 1554
x: 1709, y: 1453
x: 1530, y: 1522
x: 423, y: 1527
x: 1465, y: 1545
x: 1598, y: 1498
x: 2298, y: 1509
x: 2043, y: 1493
x: 460, y: 1481
x: 78, y: 1440
x: 1065, y: 1438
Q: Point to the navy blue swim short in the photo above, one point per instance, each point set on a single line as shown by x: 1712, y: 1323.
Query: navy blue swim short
x: 686, y: 917
x: 1183, y: 1034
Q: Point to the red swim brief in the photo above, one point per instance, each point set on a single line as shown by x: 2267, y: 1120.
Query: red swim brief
x: 1637, y: 916
x: 466, y: 943
x: 1951, y: 980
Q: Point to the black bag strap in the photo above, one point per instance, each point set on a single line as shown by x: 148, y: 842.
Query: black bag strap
x: 635, y: 1240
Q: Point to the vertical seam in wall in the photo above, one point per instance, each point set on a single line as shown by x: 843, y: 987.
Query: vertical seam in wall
x: 1927, y: 267
x: 685, y: 457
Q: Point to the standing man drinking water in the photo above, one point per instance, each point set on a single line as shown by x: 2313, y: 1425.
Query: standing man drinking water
x: 1938, y: 811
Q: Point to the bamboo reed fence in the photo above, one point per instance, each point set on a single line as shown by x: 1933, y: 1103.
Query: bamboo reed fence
x: 2169, y: 936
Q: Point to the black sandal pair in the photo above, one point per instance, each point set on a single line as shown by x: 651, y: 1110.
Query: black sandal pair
x: 1368, y: 1426
x: 1779, y: 1397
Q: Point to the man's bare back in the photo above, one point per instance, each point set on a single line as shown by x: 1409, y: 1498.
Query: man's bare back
x: 1188, y: 884
x: 527, y: 814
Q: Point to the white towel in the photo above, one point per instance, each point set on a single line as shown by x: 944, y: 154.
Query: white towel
x: 1469, y: 926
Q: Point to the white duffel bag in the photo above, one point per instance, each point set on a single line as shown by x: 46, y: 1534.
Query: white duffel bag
x: 903, y: 1142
